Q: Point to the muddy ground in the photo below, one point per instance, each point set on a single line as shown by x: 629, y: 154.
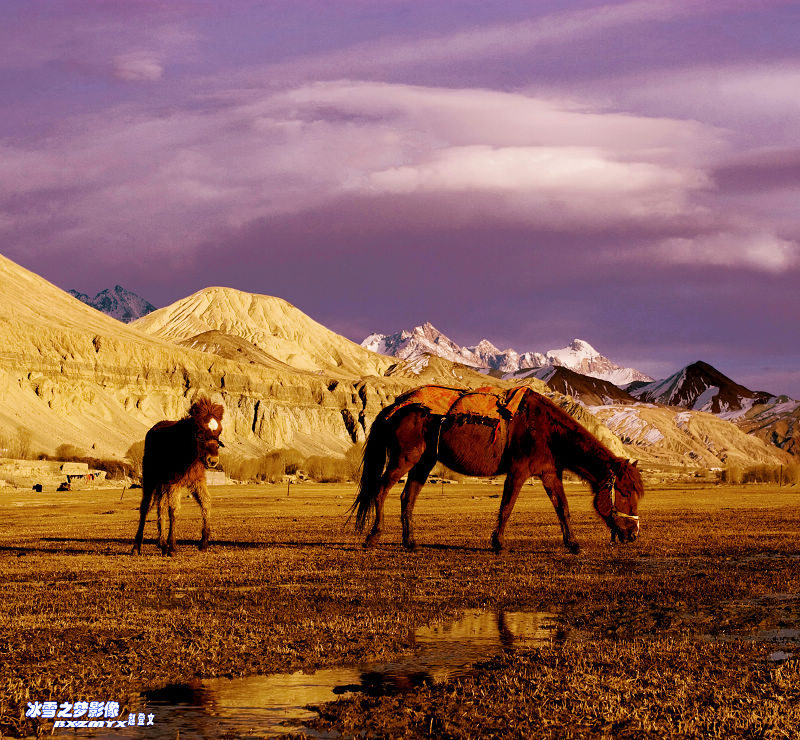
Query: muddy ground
x: 690, y: 632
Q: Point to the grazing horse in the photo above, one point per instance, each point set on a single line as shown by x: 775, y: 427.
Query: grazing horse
x: 176, y: 455
x: 531, y: 437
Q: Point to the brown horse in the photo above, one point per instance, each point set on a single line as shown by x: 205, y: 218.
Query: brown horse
x: 176, y: 455
x: 539, y: 439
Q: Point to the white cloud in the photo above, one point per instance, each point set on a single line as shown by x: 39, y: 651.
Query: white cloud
x: 138, y: 66
x: 586, y: 184
x: 757, y: 102
x: 169, y: 179
x: 759, y: 250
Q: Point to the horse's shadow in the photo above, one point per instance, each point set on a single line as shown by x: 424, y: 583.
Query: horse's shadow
x: 110, y: 546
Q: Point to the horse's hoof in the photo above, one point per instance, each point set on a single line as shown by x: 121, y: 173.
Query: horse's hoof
x: 497, y: 544
x: 573, y: 547
x: 371, y: 541
x: 410, y: 546
x: 136, y: 550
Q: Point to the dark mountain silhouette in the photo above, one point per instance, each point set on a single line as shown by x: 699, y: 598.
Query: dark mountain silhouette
x: 700, y: 387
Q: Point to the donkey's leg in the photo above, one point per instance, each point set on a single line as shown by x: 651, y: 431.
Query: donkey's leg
x: 162, y: 503
x: 144, y: 508
x: 200, y: 493
x: 513, y: 483
x: 398, y: 466
x: 172, y: 548
x: 416, y: 479
x: 555, y: 490
x: 174, y: 496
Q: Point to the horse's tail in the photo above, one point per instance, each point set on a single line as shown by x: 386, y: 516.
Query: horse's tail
x: 376, y: 452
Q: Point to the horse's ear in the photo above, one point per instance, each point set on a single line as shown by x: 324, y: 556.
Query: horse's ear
x: 633, y: 463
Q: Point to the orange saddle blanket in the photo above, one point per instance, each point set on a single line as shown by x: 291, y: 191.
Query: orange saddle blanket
x: 483, y: 403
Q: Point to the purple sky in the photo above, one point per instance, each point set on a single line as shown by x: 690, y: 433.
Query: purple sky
x: 627, y: 173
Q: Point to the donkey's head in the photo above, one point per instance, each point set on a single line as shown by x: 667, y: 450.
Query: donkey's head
x: 207, y: 417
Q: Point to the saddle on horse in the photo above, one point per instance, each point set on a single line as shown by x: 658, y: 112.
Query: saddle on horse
x: 485, y: 405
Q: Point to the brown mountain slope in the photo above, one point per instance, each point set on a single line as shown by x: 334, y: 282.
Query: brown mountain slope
x: 234, y: 348
x: 69, y: 374
x: 777, y: 423
x: 691, y: 438
x: 270, y: 324
x: 588, y: 390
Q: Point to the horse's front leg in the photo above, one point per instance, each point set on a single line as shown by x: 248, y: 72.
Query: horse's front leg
x: 173, y: 496
x: 511, y: 488
x: 201, y: 495
x: 555, y: 490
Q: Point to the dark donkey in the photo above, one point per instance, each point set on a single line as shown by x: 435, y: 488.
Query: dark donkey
x: 538, y: 439
x: 176, y: 455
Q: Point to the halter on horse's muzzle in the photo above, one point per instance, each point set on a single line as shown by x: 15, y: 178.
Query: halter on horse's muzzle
x: 612, y: 488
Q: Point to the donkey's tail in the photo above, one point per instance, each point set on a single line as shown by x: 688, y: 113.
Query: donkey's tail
x: 376, y: 452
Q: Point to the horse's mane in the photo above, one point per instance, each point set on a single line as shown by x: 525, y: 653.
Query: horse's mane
x: 585, y: 440
x: 579, y: 436
x: 204, y: 406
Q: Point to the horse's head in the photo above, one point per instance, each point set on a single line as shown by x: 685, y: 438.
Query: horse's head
x: 617, y: 500
x: 207, y: 417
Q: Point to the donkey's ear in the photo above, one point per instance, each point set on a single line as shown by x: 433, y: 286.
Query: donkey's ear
x: 217, y: 410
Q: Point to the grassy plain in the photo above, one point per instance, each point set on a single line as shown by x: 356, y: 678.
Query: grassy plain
x: 675, y: 628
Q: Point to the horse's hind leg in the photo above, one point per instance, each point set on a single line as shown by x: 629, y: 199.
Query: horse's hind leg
x: 416, y: 479
x: 511, y: 488
x: 200, y: 493
x: 144, y: 508
x: 398, y: 466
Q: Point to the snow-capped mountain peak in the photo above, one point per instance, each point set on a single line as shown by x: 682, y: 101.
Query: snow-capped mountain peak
x: 575, y: 353
x: 579, y: 355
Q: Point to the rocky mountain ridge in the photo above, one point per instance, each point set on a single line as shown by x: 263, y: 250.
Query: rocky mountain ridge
x: 700, y: 387
x: 119, y: 303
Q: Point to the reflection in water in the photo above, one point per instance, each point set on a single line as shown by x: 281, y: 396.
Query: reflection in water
x: 270, y: 705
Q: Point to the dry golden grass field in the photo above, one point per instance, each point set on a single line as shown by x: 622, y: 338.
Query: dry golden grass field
x: 690, y: 632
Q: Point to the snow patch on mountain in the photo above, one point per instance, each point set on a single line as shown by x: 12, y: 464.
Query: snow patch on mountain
x: 705, y: 399
x: 631, y: 428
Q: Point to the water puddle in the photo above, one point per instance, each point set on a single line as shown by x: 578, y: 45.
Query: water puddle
x: 263, y: 706
x: 783, y: 637
x: 780, y: 641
